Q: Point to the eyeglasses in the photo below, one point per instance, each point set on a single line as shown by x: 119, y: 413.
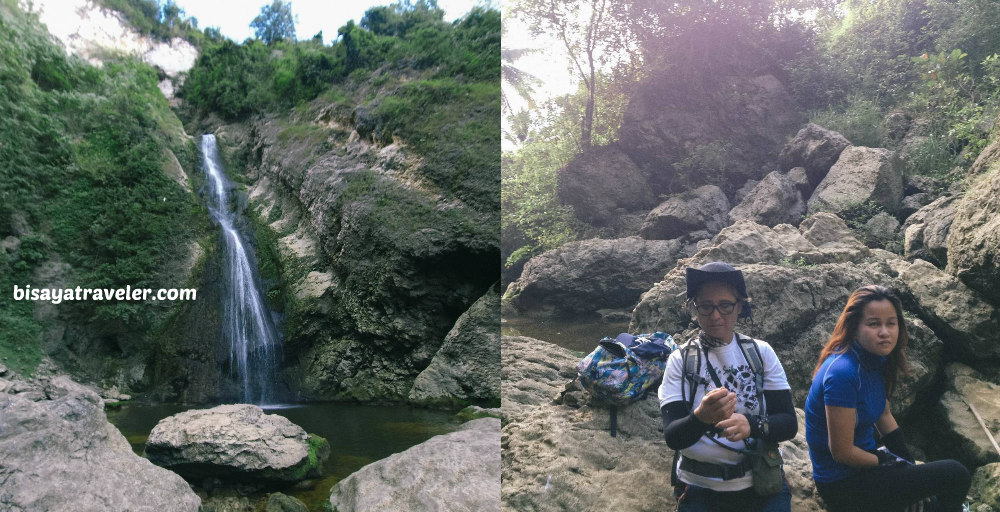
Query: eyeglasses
x: 725, y: 308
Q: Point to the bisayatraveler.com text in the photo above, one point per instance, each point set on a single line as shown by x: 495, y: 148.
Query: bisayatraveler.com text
x: 58, y: 295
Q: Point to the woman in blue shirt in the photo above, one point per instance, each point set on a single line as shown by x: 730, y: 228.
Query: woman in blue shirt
x: 857, y: 370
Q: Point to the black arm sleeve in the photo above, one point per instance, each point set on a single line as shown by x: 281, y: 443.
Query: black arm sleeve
x: 681, y: 428
x: 896, y: 443
x: 781, y: 421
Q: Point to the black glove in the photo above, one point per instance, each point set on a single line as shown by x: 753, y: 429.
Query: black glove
x: 896, y: 444
x: 886, y: 459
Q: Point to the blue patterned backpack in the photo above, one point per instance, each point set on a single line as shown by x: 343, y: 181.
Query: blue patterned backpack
x: 622, y: 370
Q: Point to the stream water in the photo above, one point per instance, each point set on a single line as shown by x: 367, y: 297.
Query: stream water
x: 253, y: 341
x: 358, y: 435
x: 579, y: 336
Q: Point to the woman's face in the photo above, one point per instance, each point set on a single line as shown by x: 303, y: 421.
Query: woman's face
x: 716, y: 324
x: 878, y: 331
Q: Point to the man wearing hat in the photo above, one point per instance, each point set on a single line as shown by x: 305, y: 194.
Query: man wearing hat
x: 711, y: 405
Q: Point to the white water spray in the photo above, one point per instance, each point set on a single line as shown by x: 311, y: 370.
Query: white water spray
x: 254, y: 344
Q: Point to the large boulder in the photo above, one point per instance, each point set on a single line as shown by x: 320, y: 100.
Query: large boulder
x: 925, y: 233
x: 602, y: 183
x: 985, y: 490
x: 798, y: 469
x: 799, y: 281
x: 958, y: 313
x: 580, y: 278
x: 815, y: 149
x: 467, y: 367
x: 963, y: 435
x: 236, y: 441
x: 775, y: 200
x: 860, y: 176
x: 560, y: 456
x: 737, y: 122
x: 974, y: 240
x: 59, y: 453
x: 700, y: 210
x: 456, y: 471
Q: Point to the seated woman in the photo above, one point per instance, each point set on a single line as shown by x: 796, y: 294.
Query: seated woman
x: 857, y: 371
x: 713, y: 469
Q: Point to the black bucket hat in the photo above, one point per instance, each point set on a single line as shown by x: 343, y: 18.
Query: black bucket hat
x: 718, y: 272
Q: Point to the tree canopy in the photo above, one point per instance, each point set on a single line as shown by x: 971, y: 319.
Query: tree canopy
x: 274, y: 23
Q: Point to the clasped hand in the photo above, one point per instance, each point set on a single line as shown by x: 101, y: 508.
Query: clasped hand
x: 717, y: 408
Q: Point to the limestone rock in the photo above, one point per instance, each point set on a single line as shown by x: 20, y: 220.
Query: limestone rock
x: 561, y: 457
x: 582, y: 277
x: 964, y: 435
x: 861, y: 175
x: 974, y: 239
x: 882, y: 231
x: 798, y: 469
x: 799, y: 281
x: 278, y: 502
x: 926, y: 231
x: 775, y: 200
x: 703, y: 208
x: 744, y: 120
x: 235, y: 441
x: 815, y: 149
x: 952, y: 309
x: 61, y: 454
x: 467, y: 367
x: 456, y: 471
x: 600, y: 181
x: 985, y: 488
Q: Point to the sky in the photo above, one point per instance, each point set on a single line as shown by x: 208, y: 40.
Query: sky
x: 233, y: 17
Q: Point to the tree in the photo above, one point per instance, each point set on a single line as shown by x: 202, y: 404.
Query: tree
x: 274, y: 23
x: 595, y: 39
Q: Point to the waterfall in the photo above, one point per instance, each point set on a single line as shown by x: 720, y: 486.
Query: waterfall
x: 254, y: 344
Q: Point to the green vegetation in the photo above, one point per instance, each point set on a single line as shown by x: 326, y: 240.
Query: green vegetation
x: 849, y: 63
x: 162, y: 21
x: 81, y: 183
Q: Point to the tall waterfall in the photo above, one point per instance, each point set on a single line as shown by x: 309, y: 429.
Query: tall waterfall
x: 254, y: 344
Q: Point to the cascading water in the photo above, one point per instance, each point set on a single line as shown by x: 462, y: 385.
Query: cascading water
x: 254, y: 344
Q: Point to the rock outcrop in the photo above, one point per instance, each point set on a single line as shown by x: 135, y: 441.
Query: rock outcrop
x: 860, y: 176
x: 602, y: 183
x: 467, y: 367
x: 985, y: 490
x: 236, y: 441
x: 815, y: 149
x: 738, y: 122
x: 974, y: 239
x: 693, y: 215
x: 378, y: 260
x: 775, y: 200
x: 957, y: 312
x: 799, y: 280
x: 580, y: 278
x: 60, y: 453
x: 456, y: 471
x: 925, y: 233
x: 964, y: 435
x: 560, y: 456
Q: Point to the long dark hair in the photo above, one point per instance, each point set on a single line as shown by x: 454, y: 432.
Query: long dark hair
x: 847, y: 328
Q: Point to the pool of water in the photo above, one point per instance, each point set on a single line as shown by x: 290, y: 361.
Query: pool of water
x: 577, y: 336
x: 358, y: 435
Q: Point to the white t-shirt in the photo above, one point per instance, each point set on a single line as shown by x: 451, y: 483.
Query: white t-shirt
x: 735, y: 373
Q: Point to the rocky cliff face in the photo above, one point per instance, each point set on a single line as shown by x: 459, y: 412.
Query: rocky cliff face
x: 376, y: 262
x: 94, y: 33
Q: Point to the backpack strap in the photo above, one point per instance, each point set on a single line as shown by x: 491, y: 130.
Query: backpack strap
x: 751, y: 352
x: 691, y: 354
